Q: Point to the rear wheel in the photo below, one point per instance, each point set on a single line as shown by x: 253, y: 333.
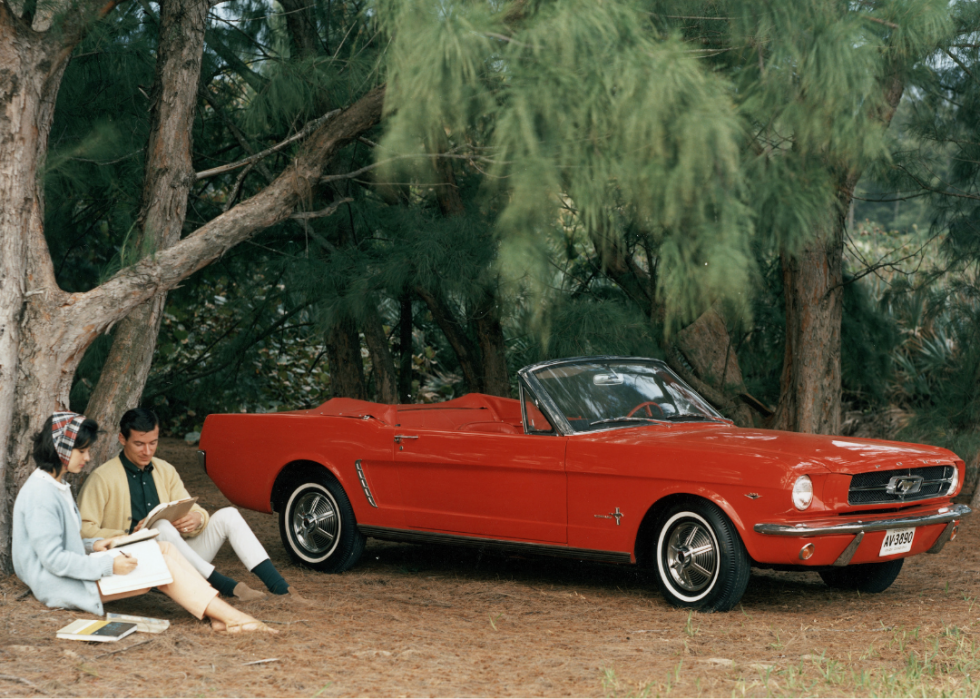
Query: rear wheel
x: 318, y: 528
x: 699, y: 558
x: 864, y: 577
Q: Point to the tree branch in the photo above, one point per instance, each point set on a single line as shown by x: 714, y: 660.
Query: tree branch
x: 103, y: 306
x: 302, y: 133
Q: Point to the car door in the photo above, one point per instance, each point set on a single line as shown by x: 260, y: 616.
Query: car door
x: 500, y: 486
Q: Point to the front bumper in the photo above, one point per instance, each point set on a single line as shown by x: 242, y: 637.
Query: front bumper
x: 945, y: 515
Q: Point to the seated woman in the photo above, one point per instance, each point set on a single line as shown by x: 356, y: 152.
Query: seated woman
x: 51, y: 557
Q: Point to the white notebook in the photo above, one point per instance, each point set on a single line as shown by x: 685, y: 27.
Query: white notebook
x: 151, y: 569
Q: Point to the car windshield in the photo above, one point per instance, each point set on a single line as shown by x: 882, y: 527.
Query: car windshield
x: 603, y: 394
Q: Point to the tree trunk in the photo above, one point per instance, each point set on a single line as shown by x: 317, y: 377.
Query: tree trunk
x: 405, y: 348
x: 466, y: 351
x: 346, y: 365
x: 810, y: 386
x: 489, y: 367
x: 384, y: 366
x: 301, y: 25
x: 493, y: 348
x: 31, y: 67
x: 168, y: 175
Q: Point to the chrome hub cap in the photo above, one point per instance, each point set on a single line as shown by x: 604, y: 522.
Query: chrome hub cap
x: 691, y: 556
x: 315, y: 523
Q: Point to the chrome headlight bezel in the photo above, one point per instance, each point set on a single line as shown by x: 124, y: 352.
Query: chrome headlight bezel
x: 802, y: 493
x: 954, y: 481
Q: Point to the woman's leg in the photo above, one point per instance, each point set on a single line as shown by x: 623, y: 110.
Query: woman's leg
x: 188, y: 589
x: 193, y: 593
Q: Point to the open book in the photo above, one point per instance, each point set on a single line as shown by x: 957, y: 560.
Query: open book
x: 151, y: 569
x: 169, y: 511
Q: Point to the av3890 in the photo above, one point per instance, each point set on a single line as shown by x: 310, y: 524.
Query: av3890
x: 610, y: 459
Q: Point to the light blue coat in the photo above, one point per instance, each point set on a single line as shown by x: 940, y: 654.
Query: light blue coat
x: 48, y: 551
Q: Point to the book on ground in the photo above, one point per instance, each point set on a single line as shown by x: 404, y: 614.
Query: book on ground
x: 151, y: 569
x: 144, y: 624
x: 169, y: 511
x: 89, y: 630
x: 141, y: 535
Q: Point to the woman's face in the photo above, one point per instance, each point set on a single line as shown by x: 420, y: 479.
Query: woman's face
x: 79, y: 457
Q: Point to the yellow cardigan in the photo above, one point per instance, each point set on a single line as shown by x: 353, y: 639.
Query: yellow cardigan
x: 104, y: 502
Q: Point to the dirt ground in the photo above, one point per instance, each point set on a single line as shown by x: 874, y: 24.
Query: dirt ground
x: 432, y: 621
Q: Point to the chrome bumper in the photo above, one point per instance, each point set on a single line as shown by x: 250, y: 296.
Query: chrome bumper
x: 860, y: 526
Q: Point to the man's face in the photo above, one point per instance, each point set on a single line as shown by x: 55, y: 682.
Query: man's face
x: 141, y: 446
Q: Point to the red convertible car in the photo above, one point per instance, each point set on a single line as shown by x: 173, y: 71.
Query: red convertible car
x: 603, y: 459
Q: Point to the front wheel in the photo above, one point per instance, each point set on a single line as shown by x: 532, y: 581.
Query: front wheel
x: 864, y: 577
x: 699, y: 559
x: 318, y: 528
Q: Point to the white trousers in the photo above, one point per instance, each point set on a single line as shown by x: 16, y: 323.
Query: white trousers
x: 225, y: 525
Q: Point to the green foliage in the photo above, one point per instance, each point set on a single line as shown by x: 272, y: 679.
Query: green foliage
x: 581, y: 105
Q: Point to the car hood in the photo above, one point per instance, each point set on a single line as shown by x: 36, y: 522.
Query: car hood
x: 836, y: 454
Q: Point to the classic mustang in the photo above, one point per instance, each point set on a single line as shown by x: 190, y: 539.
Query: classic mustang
x: 603, y: 459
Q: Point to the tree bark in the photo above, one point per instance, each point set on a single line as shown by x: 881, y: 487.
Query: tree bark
x: 346, y: 365
x: 301, y: 25
x: 493, y: 347
x: 384, y: 366
x: 31, y: 67
x: 810, y: 386
x: 168, y: 175
x: 466, y: 352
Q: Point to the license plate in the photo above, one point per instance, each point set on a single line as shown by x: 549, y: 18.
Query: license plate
x: 897, y: 541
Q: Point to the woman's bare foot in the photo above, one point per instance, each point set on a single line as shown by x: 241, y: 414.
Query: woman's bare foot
x: 246, y: 624
x: 226, y: 619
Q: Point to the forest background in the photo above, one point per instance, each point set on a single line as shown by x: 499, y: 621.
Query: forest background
x: 255, y: 206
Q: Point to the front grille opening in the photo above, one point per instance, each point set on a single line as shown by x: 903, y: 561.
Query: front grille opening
x: 905, y: 484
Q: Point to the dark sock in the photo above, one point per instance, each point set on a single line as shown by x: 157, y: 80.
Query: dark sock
x: 223, y: 584
x: 270, y: 576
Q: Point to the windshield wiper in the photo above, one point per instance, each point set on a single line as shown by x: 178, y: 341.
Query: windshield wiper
x: 692, y: 417
x: 623, y: 419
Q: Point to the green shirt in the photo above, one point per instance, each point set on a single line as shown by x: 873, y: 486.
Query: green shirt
x: 143, y: 495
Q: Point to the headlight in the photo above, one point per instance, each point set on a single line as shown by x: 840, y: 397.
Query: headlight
x: 802, y: 492
x: 954, y: 481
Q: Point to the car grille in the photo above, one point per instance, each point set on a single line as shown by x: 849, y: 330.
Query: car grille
x: 900, y: 485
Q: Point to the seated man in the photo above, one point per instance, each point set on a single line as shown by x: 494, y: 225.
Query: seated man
x: 120, y: 493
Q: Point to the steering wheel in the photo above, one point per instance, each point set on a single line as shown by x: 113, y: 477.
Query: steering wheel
x: 647, y: 405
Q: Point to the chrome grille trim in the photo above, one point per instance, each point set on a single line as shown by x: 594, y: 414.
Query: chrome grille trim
x: 884, y: 487
x: 364, y: 483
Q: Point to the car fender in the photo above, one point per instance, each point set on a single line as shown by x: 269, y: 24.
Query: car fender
x: 296, y: 463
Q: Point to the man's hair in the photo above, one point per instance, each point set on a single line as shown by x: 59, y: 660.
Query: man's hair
x: 46, y: 455
x: 139, y: 419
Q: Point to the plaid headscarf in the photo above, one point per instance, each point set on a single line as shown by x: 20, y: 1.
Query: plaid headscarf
x: 64, y: 428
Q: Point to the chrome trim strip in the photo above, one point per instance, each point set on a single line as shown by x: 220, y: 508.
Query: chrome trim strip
x: 848, y: 553
x: 364, y: 484
x: 517, y: 546
x: 202, y: 460
x: 877, y: 525
x: 943, y: 539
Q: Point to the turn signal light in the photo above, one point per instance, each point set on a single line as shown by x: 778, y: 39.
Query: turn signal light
x: 952, y: 534
x: 806, y: 552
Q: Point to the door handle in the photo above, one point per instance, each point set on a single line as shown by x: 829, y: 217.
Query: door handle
x: 400, y: 437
